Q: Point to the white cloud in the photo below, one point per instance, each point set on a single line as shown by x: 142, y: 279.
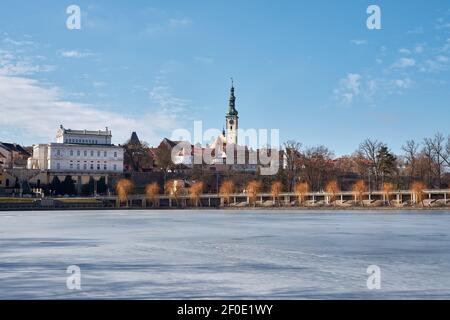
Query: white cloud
x: 204, y: 60
x: 436, y: 64
x: 166, y: 101
x: 404, y: 51
x: 442, y: 59
x: 36, y: 111
x: 99, y: 84
x: 31, y: 111
x: 404, y: 63
x: 446, y: 46
x: 349, y: 88
x: 403, y: 83
x: 76, y: 54
x: 359, y: 42
x: 419, y: 48
x: 18, y: 43
x: 441, y: 23
x: 10, y: 65
x: 418, y: 30
x: 176, y: 23
x: 157, y: 27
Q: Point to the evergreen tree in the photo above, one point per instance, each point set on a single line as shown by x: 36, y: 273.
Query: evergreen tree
x: 68, y: 186
x: 387, y: 162
x: 55, y: 186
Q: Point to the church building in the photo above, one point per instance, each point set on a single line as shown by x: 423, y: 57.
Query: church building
x: 228, y: 140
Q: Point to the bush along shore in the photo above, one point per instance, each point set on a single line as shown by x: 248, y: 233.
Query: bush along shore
x: 438, y: 200
x: 177, y: 195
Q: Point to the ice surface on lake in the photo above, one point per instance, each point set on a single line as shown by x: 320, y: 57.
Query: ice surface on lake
x: 224, y: 254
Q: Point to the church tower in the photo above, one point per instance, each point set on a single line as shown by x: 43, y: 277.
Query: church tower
x: 232, y: 119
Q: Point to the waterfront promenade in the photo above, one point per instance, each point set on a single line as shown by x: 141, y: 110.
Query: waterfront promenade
x: 376, y: 199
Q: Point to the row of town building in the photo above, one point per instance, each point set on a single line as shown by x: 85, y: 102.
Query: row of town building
x: 84, y: 155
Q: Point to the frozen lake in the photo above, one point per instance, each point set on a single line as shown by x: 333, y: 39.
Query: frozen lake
x: 224, y: 254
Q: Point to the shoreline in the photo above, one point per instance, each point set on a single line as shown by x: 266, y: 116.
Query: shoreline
x: 242, y: 209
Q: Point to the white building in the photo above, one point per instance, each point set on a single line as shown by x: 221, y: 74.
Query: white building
x: 78, y: 151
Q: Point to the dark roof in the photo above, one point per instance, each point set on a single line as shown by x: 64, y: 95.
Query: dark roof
x: 14, y: 147
x: 171, y: 143
x: 134, y: 138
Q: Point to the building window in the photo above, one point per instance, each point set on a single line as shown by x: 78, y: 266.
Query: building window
x: 85, y: 166
x: 115, y: 167
x: 85, y: 153
x: 71, y: 153
x: 71, y: 165
x: 98, y: 166
x: 58, y: 152
x: 105, y: 166
x: 78, y: 153
x: 98, y: 154
x: 7, y: 183
x: 92, y: 153
x: 115, y: 154
x: 78, y: 166
x: 92, y: 166
x: 58, y: 166
x: 105, y: 154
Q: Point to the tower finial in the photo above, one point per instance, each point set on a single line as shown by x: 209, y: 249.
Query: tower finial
x: 232, y: 82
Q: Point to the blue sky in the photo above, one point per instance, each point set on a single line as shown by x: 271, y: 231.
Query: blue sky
x: 311, y: 69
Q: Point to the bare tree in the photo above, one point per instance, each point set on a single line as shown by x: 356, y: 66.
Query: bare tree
x: 428, y: 152
x: 292, y: 153
x: 369, y: 149
x: 136, y: 155
x: 411, y: 148
x: 436, y: 151
x: 448, y: 151
x: 164, y: 159
x: 317, y: 166
x: 441, y: 152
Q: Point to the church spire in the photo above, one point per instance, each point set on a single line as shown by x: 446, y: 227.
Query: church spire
x: 232, y: 118
x: 232, y: 105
